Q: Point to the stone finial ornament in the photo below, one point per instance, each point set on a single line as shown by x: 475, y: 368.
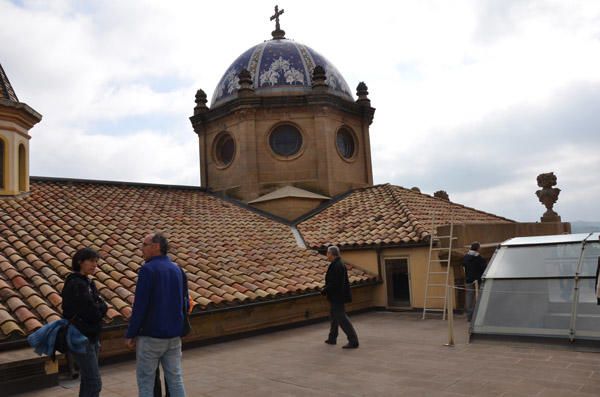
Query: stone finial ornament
x: 319, y: 77
x: 548, y: 195
x: 245, y: 82
x: 200, y: 102
x: 442, y: 195
x: 415, y: 189
x: 362, y: 92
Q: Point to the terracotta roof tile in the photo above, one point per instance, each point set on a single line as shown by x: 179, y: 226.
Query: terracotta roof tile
x: 45, y: 311
x: 384, y: 214
x: 11, y: 327
x: 233, y: 258
x: 5, y: 315
x: 32, y: 324
x: 34, y: 301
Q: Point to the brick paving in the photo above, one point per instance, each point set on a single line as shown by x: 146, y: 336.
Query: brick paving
x: 400, y: 355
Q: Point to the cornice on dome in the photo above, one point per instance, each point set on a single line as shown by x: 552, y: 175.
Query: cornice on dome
x: 314, y: 99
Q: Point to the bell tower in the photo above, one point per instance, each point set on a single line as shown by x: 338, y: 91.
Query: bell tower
x: 16, y: 119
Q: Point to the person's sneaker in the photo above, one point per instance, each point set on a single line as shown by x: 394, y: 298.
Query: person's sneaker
x: 330, y: 342
x: 350, y: 346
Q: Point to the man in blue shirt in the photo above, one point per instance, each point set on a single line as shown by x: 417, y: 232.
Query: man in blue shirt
x: 156, y: 323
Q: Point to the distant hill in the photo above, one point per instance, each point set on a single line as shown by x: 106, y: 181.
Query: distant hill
x: 585, y: 227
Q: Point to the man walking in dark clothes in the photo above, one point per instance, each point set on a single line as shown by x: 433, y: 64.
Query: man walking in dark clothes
x: 337, y: 290
x: 474, y: 266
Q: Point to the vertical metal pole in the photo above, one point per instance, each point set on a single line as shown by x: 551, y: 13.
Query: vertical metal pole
x: 572, y: 327
x: 449, y: 296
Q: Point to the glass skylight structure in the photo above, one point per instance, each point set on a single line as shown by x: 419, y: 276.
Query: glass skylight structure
x: 542, y: 286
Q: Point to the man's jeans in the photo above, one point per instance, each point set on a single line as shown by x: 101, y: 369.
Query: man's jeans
x: 89, y: 372
x: 469, y: 300
x: 151, y: 351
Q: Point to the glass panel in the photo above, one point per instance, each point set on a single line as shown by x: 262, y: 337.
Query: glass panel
x: 553, y: 239
x: 535, y: 261
x: 525, y: 307
x: 590, y: 259
x: 588, y: 310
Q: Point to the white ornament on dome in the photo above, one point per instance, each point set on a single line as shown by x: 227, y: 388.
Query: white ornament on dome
x: 230, y: 82
x: 294, y: 76
x: 332, y: 78
x: 272, y: 75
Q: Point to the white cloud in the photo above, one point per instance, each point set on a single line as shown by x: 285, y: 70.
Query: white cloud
x: 435, y: 70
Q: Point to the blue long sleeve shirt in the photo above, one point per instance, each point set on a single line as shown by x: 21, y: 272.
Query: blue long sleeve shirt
x: 159, y: 300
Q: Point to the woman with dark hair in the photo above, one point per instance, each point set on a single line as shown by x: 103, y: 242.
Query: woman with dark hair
x: 84, y: 308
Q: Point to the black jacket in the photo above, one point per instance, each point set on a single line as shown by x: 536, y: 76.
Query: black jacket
x: 337, y: 285
x: 474, y: 267
x: 83, y: 306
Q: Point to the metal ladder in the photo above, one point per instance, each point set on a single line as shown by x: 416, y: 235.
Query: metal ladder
x: 433, y: 277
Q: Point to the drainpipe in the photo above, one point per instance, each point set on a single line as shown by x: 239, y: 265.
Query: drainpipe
x: 576, y: 292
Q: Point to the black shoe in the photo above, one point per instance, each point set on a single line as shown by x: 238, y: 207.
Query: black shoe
x: 350, y: 346
x: 330, y: 342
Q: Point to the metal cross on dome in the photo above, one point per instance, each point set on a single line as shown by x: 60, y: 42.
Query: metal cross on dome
x: 277, y: 33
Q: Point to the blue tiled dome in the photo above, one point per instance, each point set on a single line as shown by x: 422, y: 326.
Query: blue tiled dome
x: 279, y: 66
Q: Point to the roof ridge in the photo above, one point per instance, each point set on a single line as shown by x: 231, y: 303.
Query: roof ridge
x: 107, y: 182
x: 454, y: 203
x: 419, y: 228
x: 204, y: 190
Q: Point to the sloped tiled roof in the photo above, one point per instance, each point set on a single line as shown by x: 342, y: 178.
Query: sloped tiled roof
x: 384, y: 215
x: 232, y: 255
x: 6, y: 90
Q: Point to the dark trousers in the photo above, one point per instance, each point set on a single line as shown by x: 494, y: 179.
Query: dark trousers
x: 340, y: 319
x: 157, y: 388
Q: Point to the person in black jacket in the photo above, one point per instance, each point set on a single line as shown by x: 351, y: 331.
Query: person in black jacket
x: 84, y: 308
x: 337, y: 290
x: 474, y: 265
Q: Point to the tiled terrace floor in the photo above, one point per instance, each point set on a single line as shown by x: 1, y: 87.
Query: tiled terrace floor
x: 400, y: 355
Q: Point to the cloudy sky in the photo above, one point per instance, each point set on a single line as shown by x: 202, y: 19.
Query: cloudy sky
x: 473, y: 97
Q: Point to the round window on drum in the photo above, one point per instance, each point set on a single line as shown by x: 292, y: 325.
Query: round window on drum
x: 285, y: 140
x: 345, y: 143
x: 224, y: 149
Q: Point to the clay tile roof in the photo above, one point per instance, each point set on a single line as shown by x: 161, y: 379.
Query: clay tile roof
x: 232, y: 254
x: 6, y: 90
x: 384, y: 215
